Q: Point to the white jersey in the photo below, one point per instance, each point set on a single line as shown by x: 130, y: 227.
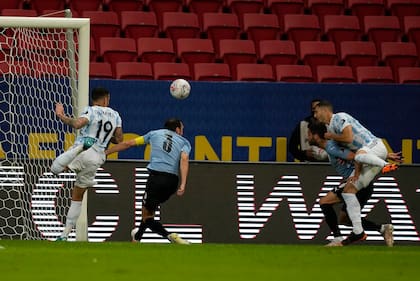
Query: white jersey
x: 361, y: 136
x: 102, y: 124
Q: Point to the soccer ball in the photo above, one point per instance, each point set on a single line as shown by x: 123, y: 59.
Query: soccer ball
x: 180, y: 89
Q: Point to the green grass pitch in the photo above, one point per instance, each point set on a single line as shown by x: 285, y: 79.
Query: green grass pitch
x: 119, y: 261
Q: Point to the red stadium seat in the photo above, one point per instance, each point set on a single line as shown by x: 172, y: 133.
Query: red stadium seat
x: 102, y: 24
x: 294, y: 73
x: 134, y: 71
x: 200, y: 7
x: 240, y: 7
x: 399, y: 54
x: 374, y: 74
x: 212, y: 72
x: 321, y: 8
x: 180, y: 25
x: 155, y: 50
x: 261, y: 27
x: 255, y: 72
x: 409, y: 75
x: 382, y: 29
x: 402, y: 8
x: 136, y: 24
x: 115, y: 49
x: 285, y: 7
x: 276, y: 52
x: 19, y: 13
x: 358, y: 53
x: 412, y: 29
x: 10, y: 4
x: 302, y: 27
x: 85, y: 5
x: 119, y: 6
x: 159, y: 7
x: 195, y: 50
x: 100, y: 70
x: 171, y: 71
x: 314, y: 53
x: 335, y: 74
x: 234, y: 52
x: 41, y: 5
x: 362, y: 8
x: 339, y: 28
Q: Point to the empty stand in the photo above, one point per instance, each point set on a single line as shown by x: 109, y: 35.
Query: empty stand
x: 276, y: 52
x: 302, y: 27
x: 212, y: 72
x: 255, y: 72
x: 195, y: 50
x: 339, y: 28
x: 285, y: 7
x: 119, y: 6
x: 41, y: 5
x: 382, y: 29
x: 180, y: 25
x: 200, y: 7
x: 374, y: 74
x: 116, y: 49
x: 136, y: 24
x: 85, y: 5
x: 335, y: 74
x: 362, y: 8
x: 102, y: 24
x: 234, y: 52
x: 402, y: 8
x: 412, y: 29
x: 409, y: 75
x: 240, y: 7
x: 261, y: 27
x: 92, y: 50
x: 100, y: 70
x: 294, y: 73
x: 220, y: 26
x: 314, y: 53
x: 359, y: 53
x: 321, y: 8
x: 134, y: 71
x: 159, y: 7
x: 155, y: 50
x: 19, y: 13
x: 398, y: 54
x: 171, y: 71
x: 10, y: 4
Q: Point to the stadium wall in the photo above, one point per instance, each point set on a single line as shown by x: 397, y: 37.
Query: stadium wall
x: 249, y: 203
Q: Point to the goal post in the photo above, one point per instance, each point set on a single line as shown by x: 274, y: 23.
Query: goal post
x: 43, y: 60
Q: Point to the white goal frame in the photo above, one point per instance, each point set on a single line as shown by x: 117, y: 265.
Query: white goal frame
x: 81, y: 93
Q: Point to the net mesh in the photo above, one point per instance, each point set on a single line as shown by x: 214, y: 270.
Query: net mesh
x: 37, y: 70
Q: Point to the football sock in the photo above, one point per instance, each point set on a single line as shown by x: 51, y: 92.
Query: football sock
x: 72, y: 216
x: 370, y: 225
x: 62, y: 161
x: 156, y: 227
x: 140, y: 232
x: 353, y: 211
x: 331, y: 219
x: 371, y: 159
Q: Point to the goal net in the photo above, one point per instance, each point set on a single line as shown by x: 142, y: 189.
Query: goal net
x: 42, y: 61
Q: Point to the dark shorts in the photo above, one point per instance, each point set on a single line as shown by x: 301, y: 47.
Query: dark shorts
x: 160, y: 187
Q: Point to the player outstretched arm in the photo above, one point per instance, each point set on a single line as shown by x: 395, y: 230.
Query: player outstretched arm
x: 125, y: 145
x: 118, y: 136
x: 74, y: 123
x: 183, y: 172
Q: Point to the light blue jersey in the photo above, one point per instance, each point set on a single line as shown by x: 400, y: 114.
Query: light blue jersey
x: 361, y: 135
x: 335, y: 153
x: 102, y: 124
x: 166, y: 151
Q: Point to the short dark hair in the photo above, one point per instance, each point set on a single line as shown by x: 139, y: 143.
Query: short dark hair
x: 317, y: 128
x: 172, y: 124
x: 325, y: 103
x: 99, y: 92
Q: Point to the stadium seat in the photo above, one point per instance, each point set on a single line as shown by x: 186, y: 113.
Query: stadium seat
x: 116, y: 49
x: 409, y: 75
x: 314, y: 53
x: 159, y: 7
x: 335, y: 74
x: 234, y: 52
x: 398, y: 54
x: 85, y: 5
x: 240, y: 7
x: 195, y: 50
x: 200, y: 7
x: 171, y: 71
x: 41, y: 5
x: 10, y: 4
x: 276, y: 52
x: 321, y: 8
x: 136, y: 24
x: 294, y: 73
x: 180, y: 25
x: 212, y: 72
x: 220, y: 26
x: 382, y: 29
x: 339, y: 28
x: 134, y: 71
x: 58, y: 13
x: 374, y: 74
x: 19, y: 13
x: 100, y: 70
x: 255, y: 72
x: 261, y: 27
x: 412, y: 30
x: 402, y: 8
x: 155, y: 50
x: 362, y: 8
x: 302, y: 27
x: 358, y: 53
x: 285, y: 7
x: 92, y: 50
x: 102, y: 24
x: 119, y: 6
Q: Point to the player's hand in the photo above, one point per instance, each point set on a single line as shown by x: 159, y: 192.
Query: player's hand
x: 181, y: 190
x: 396, y: 156
x: 353, y: 179
x: 59, y: 109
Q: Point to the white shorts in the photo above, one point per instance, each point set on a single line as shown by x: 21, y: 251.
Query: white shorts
x: 378, y: 148
x: 85, y: 166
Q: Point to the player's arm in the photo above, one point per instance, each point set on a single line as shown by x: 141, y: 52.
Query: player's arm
x: 337, y: 151
x: 346, y: 135
x: 118, y: 135
x: 183, y: 173
x: 75, y: 123
x: 125, y: 145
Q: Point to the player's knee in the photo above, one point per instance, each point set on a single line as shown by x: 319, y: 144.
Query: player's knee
x: 56, y: 168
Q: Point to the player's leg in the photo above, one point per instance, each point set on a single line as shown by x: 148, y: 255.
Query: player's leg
x: 73, y: 212
x: 327, y: 206
x: 375, y: 156
x: 60, y: 164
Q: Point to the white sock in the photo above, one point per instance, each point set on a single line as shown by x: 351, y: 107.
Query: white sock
x: 353, y: 211
x: 370, y: 159
x: 62, y: 161
x: 72, y: 216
